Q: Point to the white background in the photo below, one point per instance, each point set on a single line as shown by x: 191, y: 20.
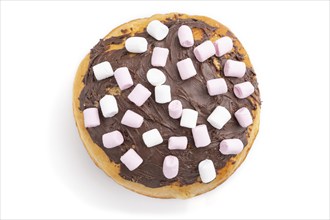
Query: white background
x: 47, y: 173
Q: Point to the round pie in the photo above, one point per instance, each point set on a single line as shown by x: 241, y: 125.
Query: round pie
x: 168, y: 106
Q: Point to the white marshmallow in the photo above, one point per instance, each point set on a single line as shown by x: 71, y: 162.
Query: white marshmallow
x: 152, y: 138
x: 157, y: 30
x: 219, y: 117
x: 156, y: 77
x: 177, y: 143
x: 223, y: 46
x: 189, y: 118
x: 207, y: 171
x: 136, y: 44
x: 231, y: 146
x: 102, y: 70
x: 175, y: 109
x: 109, y: 106
x: 163, y: 94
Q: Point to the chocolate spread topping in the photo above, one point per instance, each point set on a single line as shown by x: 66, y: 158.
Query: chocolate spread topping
x: 192, y: 93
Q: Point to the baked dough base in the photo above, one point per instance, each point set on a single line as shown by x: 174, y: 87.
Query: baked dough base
x: 111, y: 169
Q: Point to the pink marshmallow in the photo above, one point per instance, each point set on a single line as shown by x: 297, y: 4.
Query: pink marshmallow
x: 186, y: 37
x: 244, y: 117
x: 234, y: 68
x: 123, y: 78
x: 131, y: 159
x: 231, y: 146
x: 201, y: 136
x: 159, y: 56
x: 186, y: 68
x: 204, y: 51
x: 243, y: 90
x: 170, y: 167
x: 175, y: 109
x: 223, y: 46
x: 177, y: 143
x: 91, y: 117
x: 112, y: 139
x: 139, y: 95
x: 132, y: 119
x: 216, y: 86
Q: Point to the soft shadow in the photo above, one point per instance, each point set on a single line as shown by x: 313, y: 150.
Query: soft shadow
x: 75, y: 168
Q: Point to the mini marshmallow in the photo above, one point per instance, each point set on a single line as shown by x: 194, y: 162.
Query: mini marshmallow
x: 207, y: 171
x: 175, y: 109
x: 223, y: 46
x: 136, y: 44
x: 186, y: 37
x: 243, y: 90
x: 156, y: 77
x: 188, y: 118
x: 157, y: 30
x: 123, y: 78
x: 102, y: 70
x: 139, y: 95
x: 177, y: 143
x: 186, y: 68
x: 234, y: 68
x: 91, y: 117
x: 216, y: 86
x: 170, y: 167
x: 244, y: 117
x: 152, y: 138
x: 201, y: 136
x: 219, y: 117
x: 159, y: 56
x: 162, y: 94
x: 131, y: 159
x: 231, y: 146
x: 112, y: 139
x: 132, y: 119
x: 204, y: 51
x: 109, y: 106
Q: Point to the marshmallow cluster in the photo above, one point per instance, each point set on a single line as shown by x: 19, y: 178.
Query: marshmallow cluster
x: 140, y: 94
